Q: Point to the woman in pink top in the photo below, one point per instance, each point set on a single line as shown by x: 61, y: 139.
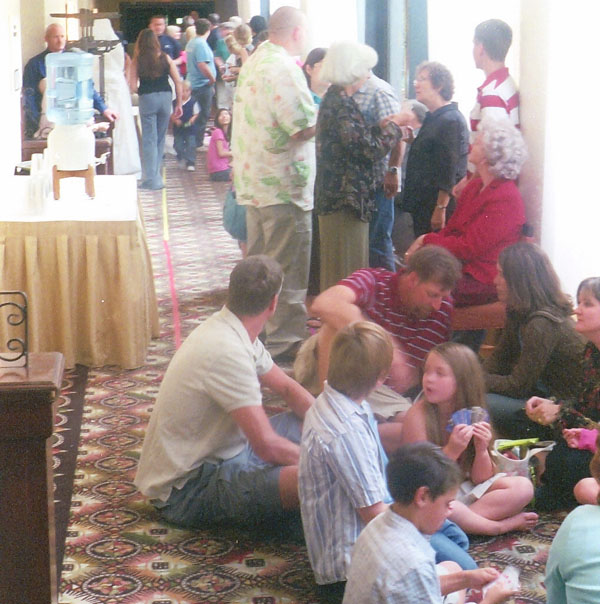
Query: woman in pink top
x: 219, y: 155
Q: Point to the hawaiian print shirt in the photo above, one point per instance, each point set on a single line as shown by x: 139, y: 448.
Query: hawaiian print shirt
x: 272, y: 103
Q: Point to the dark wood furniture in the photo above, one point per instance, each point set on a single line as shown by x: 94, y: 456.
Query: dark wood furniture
x: 28, y: 570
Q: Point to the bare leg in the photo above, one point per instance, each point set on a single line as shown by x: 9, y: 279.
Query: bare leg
x: 475, y: 524
x: 506, y: 497
x: 499, y: 510
x: 587, y: 491
x: 288, y: 488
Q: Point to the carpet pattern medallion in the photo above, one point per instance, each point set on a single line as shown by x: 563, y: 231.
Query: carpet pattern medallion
x: 117, y: 550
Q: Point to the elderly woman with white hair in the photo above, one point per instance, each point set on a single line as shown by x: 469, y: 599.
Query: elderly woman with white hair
x: 346, y: 151
x: 489, y: 213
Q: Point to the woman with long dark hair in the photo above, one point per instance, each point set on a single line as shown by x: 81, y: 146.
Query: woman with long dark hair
x: 565, y: 480
x: 150, y: 71
x: 540, y: 352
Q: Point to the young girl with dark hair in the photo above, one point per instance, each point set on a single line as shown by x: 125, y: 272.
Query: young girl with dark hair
x: 219, y: 155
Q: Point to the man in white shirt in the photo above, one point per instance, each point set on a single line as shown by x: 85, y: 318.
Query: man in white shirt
x: 211, y: 454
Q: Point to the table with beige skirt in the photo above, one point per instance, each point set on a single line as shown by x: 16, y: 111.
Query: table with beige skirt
x: 85, y: 267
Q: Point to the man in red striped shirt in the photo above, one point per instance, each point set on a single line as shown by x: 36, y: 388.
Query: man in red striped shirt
x: 413, y: 305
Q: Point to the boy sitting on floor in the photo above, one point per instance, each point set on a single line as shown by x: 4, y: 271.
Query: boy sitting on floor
x: 392, y: 560
x: 341, y: 474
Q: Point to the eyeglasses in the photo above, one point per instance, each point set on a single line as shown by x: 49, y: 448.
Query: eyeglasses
x: 421, y: 78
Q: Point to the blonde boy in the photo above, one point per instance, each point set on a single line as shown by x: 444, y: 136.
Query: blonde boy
x: 342, y: 464
x: 184, y: 130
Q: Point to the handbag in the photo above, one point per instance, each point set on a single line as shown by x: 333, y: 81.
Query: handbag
x: 234, y: 217
x: 524, y: 450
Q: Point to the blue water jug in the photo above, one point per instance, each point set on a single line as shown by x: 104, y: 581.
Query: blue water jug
x: 69, y: 87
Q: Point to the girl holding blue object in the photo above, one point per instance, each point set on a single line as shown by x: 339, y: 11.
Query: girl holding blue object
x: 450, y: 412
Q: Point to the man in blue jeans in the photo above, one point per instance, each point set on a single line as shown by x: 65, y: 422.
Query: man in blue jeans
x: 201, y: 73
x: 376, y: 99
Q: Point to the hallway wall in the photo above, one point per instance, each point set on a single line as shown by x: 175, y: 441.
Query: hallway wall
x: 10, y: 85
x: 560, y: 89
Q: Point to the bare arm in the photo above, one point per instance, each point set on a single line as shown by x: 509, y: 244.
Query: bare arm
x: 133, y: 77
x: 304, y: 135
x: 174, y: 73
x: 413, y: 426
x: 336, y: 307
x: 438, y: 218
x: 206, y: 72
x: 298, y: 398
x: 402, y: 375
x: 263, y: 439
x: 367, y: 514
x: 482, y: 467
x: 464, y: 579
x: 391, y: 180
x: 221, y: 151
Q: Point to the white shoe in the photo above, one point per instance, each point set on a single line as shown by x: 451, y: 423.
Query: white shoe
x: 191, y: 168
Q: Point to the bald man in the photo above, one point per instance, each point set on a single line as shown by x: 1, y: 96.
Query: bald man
x: 34, y: 76
x: 274, y: 167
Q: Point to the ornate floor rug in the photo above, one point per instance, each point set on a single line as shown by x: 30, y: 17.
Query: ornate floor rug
x: 117, y: 550
x: 65, y: 439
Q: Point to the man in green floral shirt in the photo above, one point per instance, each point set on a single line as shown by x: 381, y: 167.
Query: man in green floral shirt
x: 274, y: 167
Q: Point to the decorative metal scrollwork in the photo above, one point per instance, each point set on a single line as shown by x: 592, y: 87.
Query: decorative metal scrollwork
x: 13, y: 306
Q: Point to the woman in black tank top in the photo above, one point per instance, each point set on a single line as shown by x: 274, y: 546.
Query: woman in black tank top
x: 151, y: 69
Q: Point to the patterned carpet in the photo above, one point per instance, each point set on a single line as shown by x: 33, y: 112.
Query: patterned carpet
x: 117, y: 550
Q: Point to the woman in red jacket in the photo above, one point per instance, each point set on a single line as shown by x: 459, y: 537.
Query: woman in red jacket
x: 489, y: 213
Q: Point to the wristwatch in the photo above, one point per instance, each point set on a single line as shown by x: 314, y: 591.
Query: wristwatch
x: 393, y: 169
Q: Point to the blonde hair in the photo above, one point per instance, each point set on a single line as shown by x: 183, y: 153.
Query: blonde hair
x: 243, y: 34
x: 232, y: 45
x: 361, y: 354
x: 190, y: 32
x: 470, y: 392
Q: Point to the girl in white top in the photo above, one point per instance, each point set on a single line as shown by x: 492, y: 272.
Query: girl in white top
x: 487, y: 503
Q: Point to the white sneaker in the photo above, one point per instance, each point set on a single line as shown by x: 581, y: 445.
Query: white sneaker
x: 191, y: 168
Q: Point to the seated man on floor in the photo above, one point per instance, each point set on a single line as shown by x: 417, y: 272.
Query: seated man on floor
x: 342, y: 462
x: 34, y: 84
x: 210, y: 453
x: 392, y: 560
x: 413, y: 305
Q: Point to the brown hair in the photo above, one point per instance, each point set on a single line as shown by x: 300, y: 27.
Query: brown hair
x: 253, y: 284
x: 436, y: 264
x: 531, y: 280
x: 591, y: 285
x: 470, y: 392
x: 440, y: 77
x: 496, y: 37
x: 361, y: 354
x: 151, y: 61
